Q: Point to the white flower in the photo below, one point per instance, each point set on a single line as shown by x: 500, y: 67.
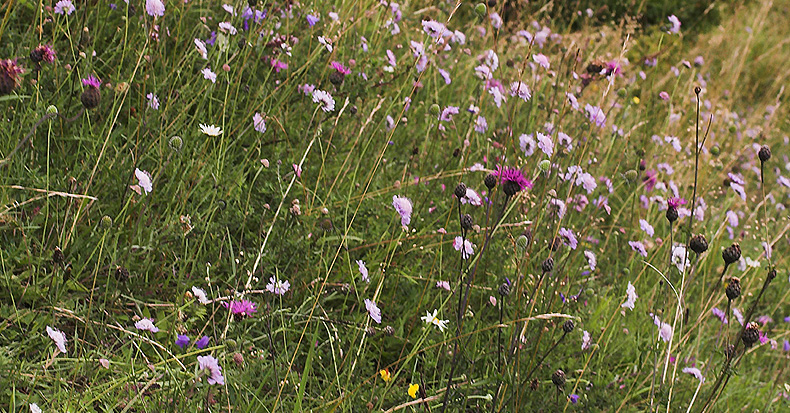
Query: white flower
x: 465, y: 246
x: 679, y: 258
x: 586, y: 340
x: 373, y: 310
x: 144, y: 180
x: 227, y: 28
x: 591, y: 259
x: 58, y: 337
x: 694, y: 372
x: 432, y: 319
x: 324, y: 99
x: 146, y: 324
x: 200, y: 294
x: 209, y: 75
x: 154, y: 7
x: 277, y: 286
x: 631, y: 297
x: 210, y: 130
x: 259, y: 123
x: 326, y: 42
x: 472, y: 198
x: 34, y: 408
x: 201, y: 48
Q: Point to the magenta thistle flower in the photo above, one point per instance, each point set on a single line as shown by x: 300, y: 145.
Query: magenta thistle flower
x: 513, y: 180
x: 215, y: 371
x: 9, y: 76
x: 675, y: 202
x: 243, y: 308
x: 42, y: 53
x: 340, y: 68
x: 91, y: 81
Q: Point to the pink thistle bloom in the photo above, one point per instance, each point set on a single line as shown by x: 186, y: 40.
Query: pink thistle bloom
x: 9, y: 75
x: 58, y: 337
x: 340, y: 68
x: 675, y: 202
x: 244, y: 308
x: 373, y: 311
x: 91, y: 81
x: 215, y: 371
x: 155, y: 8
x: 514, y: 176
x: 43, y: 53
x: 404, y: 208
x: 146, y: 324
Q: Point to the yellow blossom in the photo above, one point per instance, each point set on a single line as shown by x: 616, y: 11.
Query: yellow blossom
x: 413, y: 390
x: 636, y: 100
x: 385, y: 375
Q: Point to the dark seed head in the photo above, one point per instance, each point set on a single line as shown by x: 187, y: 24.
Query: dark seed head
x: 91, y: 98
x: 733, y: 289
x: 547, y: 265
x: 57, y: 256
x: 238, y: 358
x: 764, y: 153
x: 556, y: 243
x: 490, y: 181
x: 558, y: 378
x: 121, y: 274
x: 731, y: 254
x: 504, y: 289
x: 751, y: 335
x: 467, y: 222
x: 388, y: 330
x: 567, y: 327
x: 771, y: 275
x: 730, y: 351
x: 534, y: 384
x: 698, y: 243
x: 371, y: 331
x: 460, y: 190
x: 672, y: 214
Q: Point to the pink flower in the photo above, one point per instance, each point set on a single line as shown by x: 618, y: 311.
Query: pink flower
x: 277, y: 286
x: 58, y: 337
x: 146, y: 324
x: 694, y: 372
x: 363, y: 270
x: 639, y: 247
x: 154, y: 7
x: 244, y: 308
x: 91, y: 81
x: 144, y: 180
x: 340, y: 68
x: 542, y: 60
x: 404, y: 208
x: 373, y: 311
x: 64, y: 7
x: 675, y: 24
x: 215, y: 371
x: 209, y: 75
x: 630, y: 294
x: 443, y: 284
x: 664, y: 95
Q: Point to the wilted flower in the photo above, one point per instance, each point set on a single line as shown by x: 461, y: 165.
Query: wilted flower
x: 42, y: 53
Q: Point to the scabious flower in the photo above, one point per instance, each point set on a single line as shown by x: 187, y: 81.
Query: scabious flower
x: 144, y: 180
x: 664, y: 329
x: 258, y: 123
x: 521, y: 90
x: 545, y: 144
x: 324, y: 100
x: 277, y: 286
x: 200, y: 294
x: 639, y: 247
x: 569, y: 237
x: 153, y: 101
x: 429, y: 318
x: 433, y: 28
x: 675, y: 24
x: 404, y: 208
x: 182, y: 341
x: 215, y: 371
x: 630, y: 294
x: 373, y: 311
x: 694, y: 372
x: 209, y: 75
x: 58, y: 337
x: 645, y: 226
x: 200, y: 46
x: 472, y: 198
x: 146, y: 324
x: 465, y: 246
x: 513, y: 180
x: 363, y: 270
x: 64, y: 7
x: 586, y: 340
x: 679, y: 257
x: 542, y: 60
x: 447, y: 113
x: 155, y: 8
x: 210, y: 130
x: 202, y: 343
x: 595, y: 115
x: 527, y: 144
x: 481, y: 125
x: 243, y: 308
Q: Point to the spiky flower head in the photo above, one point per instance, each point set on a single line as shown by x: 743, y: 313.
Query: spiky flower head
x: 513, y: 180
x: 91, y: 81
x: 698, y: 243
x: 558, y: 378
x: 751, y: 334
x: 733, y: 289
x: 9, y: 76
x: 731, y: 254
x: 42, y: 53
x: 568, y: 326
x: 764, y: 153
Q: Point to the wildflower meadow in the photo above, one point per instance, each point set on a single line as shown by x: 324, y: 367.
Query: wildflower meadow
x: 377, y: 206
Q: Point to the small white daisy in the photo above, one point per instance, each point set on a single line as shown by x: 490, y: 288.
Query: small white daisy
x: 210, y: 130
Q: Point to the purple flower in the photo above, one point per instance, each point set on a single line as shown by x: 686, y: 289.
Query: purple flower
x: 481, y: 125
x: 208, y: 74
x: 786, y: 346
x: 215, y: 371
x: 630, y: 294
x: 527, y: 144
x: 521, y: 90
x: 639, y: 247
x: 645, y: 226
x: 586, y: 340
x: 155, y: 8
x: 569, y: 237
x: 675, y: 202
x: 278, y: 65
x: 363, y: 270
x: 202, y: 343
x: 446, y: 76
x: 433, y: 28
x: 64, y: 7
x: 241, y: 307
x: 146, y: 324
x: 277, y: 286
x: 447, y: 113
x: 259, y: 123
x: 595, y: 115
x: 542, y: 60
x: 675, y: 24
x: 574, y: 398
x: 443, y: 284
x: 720, y: 314
x: 91, y: 81
x: 404, y: 208
x: 153, y: 101
x: 43, y: 53
x: 513, y: 178
x: 340, y: 68
x: 312, y: 20
x: 325, y: 101
x: 545, y: 144
x: 664, y: 329
x: 373, y: 310
x: 650, y: 179
x: 182, y: 341
x: 664, y: 95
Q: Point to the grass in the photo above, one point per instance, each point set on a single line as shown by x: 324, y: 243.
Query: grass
x: 86, y: 250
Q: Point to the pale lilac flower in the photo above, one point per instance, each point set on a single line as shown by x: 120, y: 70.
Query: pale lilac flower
x: 645, y: 226
x: 201, y: 48
x: 564, y: 140
x: 200, y: 294
x: 312, y: 20
x: 443, y: 284
x: 491, y: 60
x: 153, y: 101
x: 155, y: 8
x: 64, y: 7
x: 738, y: 316
x: 481, y: 125
x: 433, y: 28
x: 631, y: 297
x: 569, y: 237
x: 259, y: 123
x: 542, y: 60
x: 664, y: 329
x: 34, y: 408
x: 739, y: 189
x: 639, y: 247
x: 586, y: 181
x: 496, y: 20
x: 595, y: 115
x: 58, y: 337
x: 373, y: 310
x: 592, y: 261
x: 327, y: 42
x: 675, y: 24
x: 664, y: 95
x: 277, y: 286
x: 573, y: 101
x: 586, y: 340
x: 720, y: 314
x: 557, y: 207
x: 226, y: 27
x: 527, y: 143
x: 447, y: 113
x: 363, y: 270
x: 215, y: 371
x: 209, y: 75
x: 445, y: 75
x: 545, y: 144
x: 465, y: 246
x: 404, y: 208
x: 521, y: 90
x: 472, y: 198
x: 146, y: 324
x: 144, y: 180
x: 104, y: 363
x: 429, y: 318
x: 325, y: 101
x: 694, y: 372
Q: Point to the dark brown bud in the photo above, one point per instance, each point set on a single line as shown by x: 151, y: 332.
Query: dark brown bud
x: 568, y: 326
x: 764, y: 153
x: 491, y: 181
x: 672, y: 214
x: 558, y: 378
x: 504, y: 289
x: 733, y: 289
x: 238, y: 358
x: 698, y: 244
x: 460, y: 190
x: 731, y: 254
x: 91, y: 98
x: 121, y: 274
x: 751, y: 335
x: 337, y: 78
x: 57, y: 256
x: 388, y: 330
x: 547, y: 265
x: 467, y: 222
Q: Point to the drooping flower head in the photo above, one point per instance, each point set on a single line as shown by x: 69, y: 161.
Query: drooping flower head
x: 513, y: 180
x: 242, y: 308
x: 404, y: 208
x: 9, y: 76
x: 215, y: 371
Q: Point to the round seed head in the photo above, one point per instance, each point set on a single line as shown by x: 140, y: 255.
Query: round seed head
x: 558, y: 378
x: 121, y: 273
x: 337, y: 78
x: 534, y: 384
x: 698, y: 243
x: 556, y: 243
x: 672, y: 214
x: 460, y: 190
x: 731, y: 254
x: 568, y: 326
x: 57, y: 256
x: 491, y: 181
x: 90, y: 98
x: 733, y: 289
x: 504, y: 289
x: 547, y: 265
x: 764, y: 153
x: 389, y: 330
x: 106, y: 222
x: 511, y: 187
x: 751, y: 335
x: 467, y: 222
x: 371, y: 331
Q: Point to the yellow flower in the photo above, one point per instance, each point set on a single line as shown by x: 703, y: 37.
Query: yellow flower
x: 385, y: 375
x: 413, y: 390
x: 636, y: 100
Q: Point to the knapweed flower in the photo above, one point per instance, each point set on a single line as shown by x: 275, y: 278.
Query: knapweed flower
x: 513, y: 180
x: 373, y: 310
x: 182, y: 341
x: 155, y: 8
x: 325, y: 101
x: 630, y: 297
x: 675, y: 22
x: 340, y: 68
x: 569, y: 237
x: 42, y: 53
x: 146, y: 324
x: 242, y: 308
x: 144, y: 180
x: 200, y: 294
x: 64, y: 7
x: 215, y: 371
x: 385, y: 375
x: 202, y: 343
x: 58, y: 337
x: 429, y: 318
x: 209, y: 75
x: 153, y: 101
x: 363, y: 270
x: 210, y: 130
x: 465, y: 246
x: 200, y: 46
x: 91, y: 96
x: 277, y: 286
x: 259, y: 123
x: 413, y: 389
x: 404, y: 208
